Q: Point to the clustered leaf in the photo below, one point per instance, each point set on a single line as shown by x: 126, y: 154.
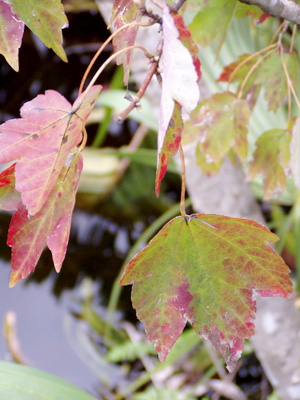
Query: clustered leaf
x: 205, y: 269
x: 237, y: 72
x: 42, y: 183
x: 219, y: 124
x: 45, y: 18
x: 271, y: 159
x: 272, y: 75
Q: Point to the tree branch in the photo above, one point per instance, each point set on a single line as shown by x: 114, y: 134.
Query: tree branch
x: 286, y: 9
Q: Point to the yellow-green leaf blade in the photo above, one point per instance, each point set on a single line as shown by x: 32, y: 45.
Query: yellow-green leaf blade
x: 46, y: 19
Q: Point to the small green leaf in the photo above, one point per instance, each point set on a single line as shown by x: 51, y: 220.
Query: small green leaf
x: 19, y: 382
x: 271, y: 159
x: 204, y: 269
x: 219, y: 124
x: 231, y: 73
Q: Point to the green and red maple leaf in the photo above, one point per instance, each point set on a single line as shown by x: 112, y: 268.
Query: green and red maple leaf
x: 205, y: 269
x: 42, y: 183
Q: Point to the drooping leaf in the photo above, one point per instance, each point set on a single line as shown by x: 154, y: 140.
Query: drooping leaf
x: 231, y: 73
x: 271, y: 159
x: 11, y: 34
x: 295, y: 152
x: 28, y: 235
x: 184, y: 35
x: 10, y: 198
x: 181, y: 72
x: 19, y: 382
x: 212, y: 22
x: 124, y: 12
x: 219, y: 124
x: 170, y: 145
x: 272, y: 75
x: 49, y: 128
x: 205, y: 269
x: 45, y: 18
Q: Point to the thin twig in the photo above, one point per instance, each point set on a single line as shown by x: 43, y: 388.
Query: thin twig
x: 84, y: 139
x: 289, y: 80
x: 104, y: 65
x: 144, y: 24
x: 293, y: 38
x: 277, y: 32
x: 246, y: 60
x: 252, y: 69
x: 120, y: 118
x: 284, y: 29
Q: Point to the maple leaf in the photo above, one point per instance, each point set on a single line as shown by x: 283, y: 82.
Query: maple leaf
x: 125, y: 11
x: 10, y: 198
x: 212, y: 22
x: 45, y: 18
x: 272, y: 75
x: 181, y: 73
x: 11, y: 34
x: 251, y: 89
x: 270, y: 159
x: 49, y: 128
x: 28, y: 235
x: 205, y: 270
x: 219, y: 124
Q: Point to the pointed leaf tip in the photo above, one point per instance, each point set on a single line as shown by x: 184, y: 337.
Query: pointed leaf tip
x: 51, y: 225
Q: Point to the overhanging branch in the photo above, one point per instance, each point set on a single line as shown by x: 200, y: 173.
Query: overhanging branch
x: 286, y: 9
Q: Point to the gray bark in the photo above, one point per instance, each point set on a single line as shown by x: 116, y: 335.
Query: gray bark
x: 286, y: 9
